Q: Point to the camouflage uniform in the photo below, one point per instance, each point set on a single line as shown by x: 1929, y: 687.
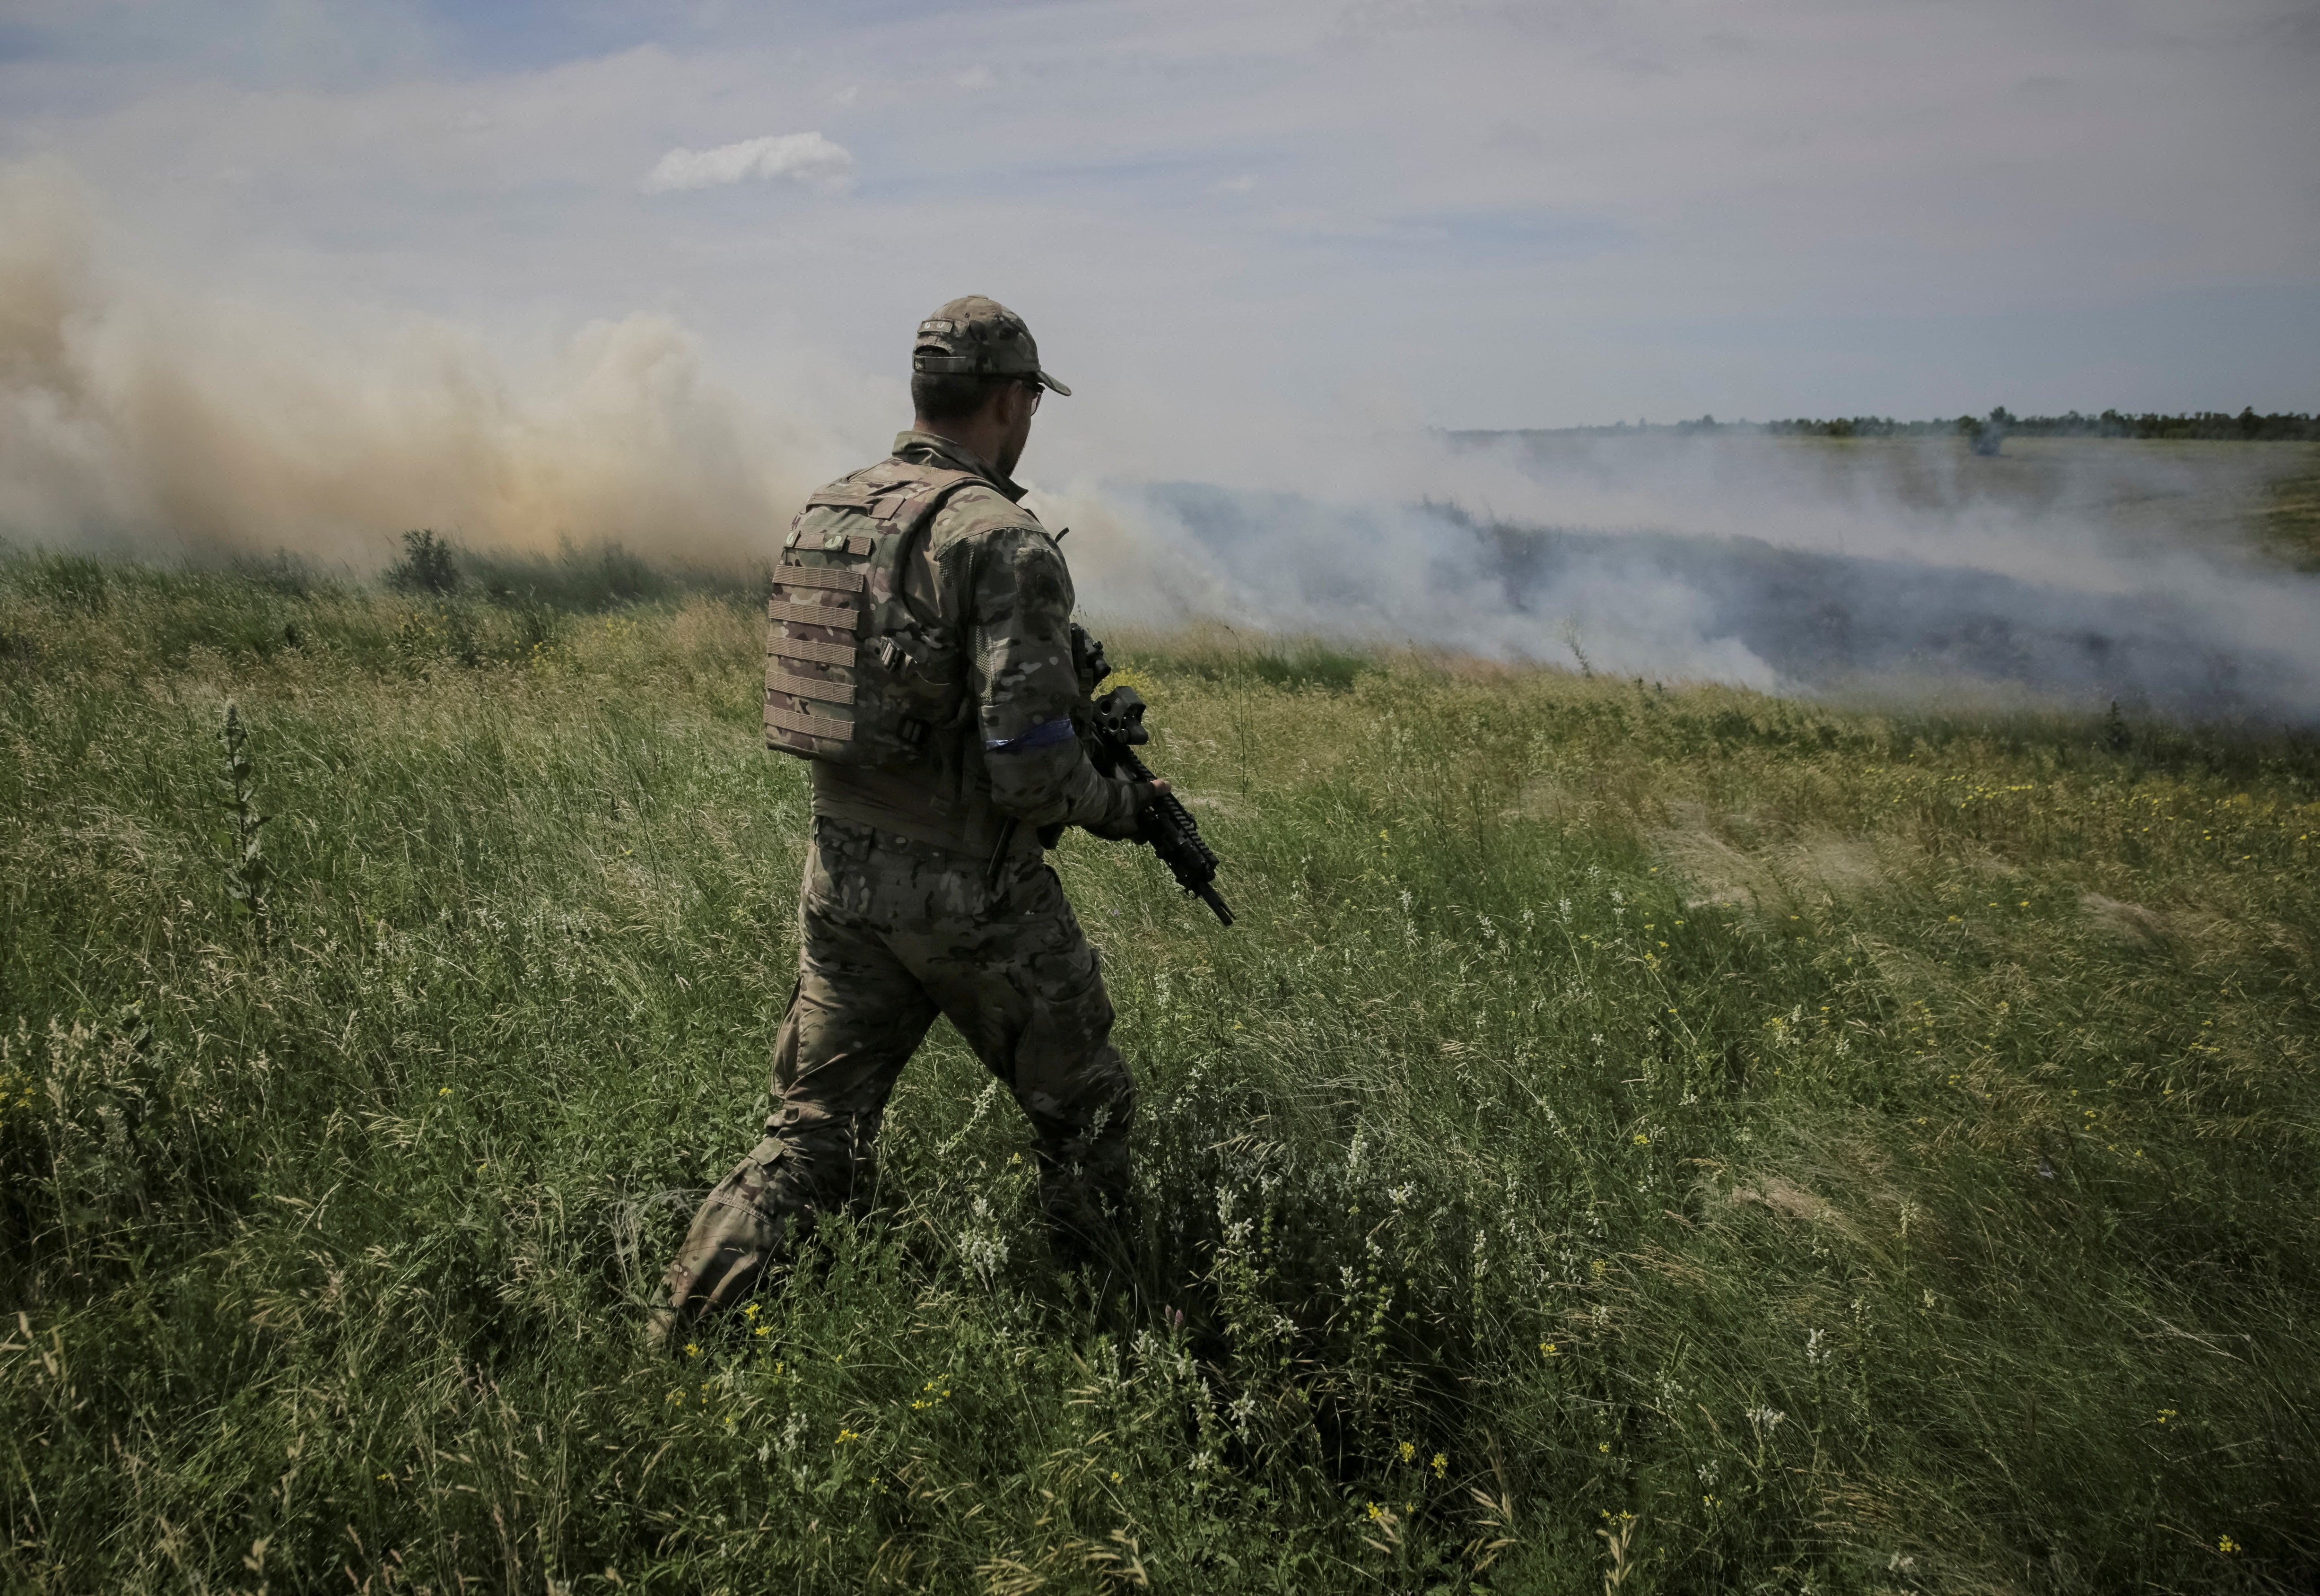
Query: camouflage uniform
x: 924, y: 894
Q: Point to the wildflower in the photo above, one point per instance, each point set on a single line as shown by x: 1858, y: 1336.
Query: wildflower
x: 1549, y: 1349
x: 2224, y: 1543
x: 2165, y: 1414
x: 1441, y: 1465
x: 1409, y: 1450
x: 442, y: 1092
x: 844, y: 1435
x: 1115, y: 1476
x: 692, y: 1349
x: 1602, y: 1446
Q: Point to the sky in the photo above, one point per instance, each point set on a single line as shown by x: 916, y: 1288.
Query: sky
x: 1219, y: 217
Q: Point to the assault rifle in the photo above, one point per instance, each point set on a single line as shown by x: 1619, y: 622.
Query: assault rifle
x: 1111, y: 734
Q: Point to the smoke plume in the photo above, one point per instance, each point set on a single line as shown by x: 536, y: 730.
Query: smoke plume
x: 131, y: 415
x: 137, y: 416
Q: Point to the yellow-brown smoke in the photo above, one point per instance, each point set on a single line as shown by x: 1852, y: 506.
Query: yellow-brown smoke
x: 132, y: 414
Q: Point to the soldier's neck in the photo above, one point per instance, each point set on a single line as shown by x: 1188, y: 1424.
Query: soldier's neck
x: 990, y: 441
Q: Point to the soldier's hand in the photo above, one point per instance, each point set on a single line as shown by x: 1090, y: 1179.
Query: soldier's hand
x: 1124, y: 830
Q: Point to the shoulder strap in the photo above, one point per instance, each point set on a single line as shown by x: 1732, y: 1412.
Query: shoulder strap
x: 901, y: 493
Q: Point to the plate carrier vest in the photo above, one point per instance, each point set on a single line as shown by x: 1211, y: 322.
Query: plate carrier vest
x: 853, y: 675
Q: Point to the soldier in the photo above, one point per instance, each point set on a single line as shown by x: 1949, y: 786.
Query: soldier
x: 919, y: 654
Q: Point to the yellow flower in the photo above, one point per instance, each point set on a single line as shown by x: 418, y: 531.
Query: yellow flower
x: 1602, y: 1446
x: 2224, y: 1543
x: 1409, y: 1450
x: 1441, y: 1465
x: 1115, y: 1476
x: 1549, y: 1349
x: 692, y: 1349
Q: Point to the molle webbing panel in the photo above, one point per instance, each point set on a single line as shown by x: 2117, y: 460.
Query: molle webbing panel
x: 845, y: 619
x: 843, y: 581
x: 839, y: 640
x: 815, y: 654
x: 810, y: 725
x: 827, y: 692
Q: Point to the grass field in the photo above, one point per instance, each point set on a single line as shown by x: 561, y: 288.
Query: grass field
x: 1642, y: 1138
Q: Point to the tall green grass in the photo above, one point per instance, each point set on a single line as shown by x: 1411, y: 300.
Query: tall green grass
x: 1660, y: 1135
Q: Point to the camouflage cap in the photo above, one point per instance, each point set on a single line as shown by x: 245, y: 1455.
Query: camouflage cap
x: 979, y: 337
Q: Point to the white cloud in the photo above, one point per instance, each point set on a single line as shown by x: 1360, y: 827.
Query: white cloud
x: 808, y: 158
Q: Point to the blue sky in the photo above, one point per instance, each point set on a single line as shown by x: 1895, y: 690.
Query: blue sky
x: 1450, y: 212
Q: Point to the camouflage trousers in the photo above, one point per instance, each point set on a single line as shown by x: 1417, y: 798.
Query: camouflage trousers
x: 892, y: 933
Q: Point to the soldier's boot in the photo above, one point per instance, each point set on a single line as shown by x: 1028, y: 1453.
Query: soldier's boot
x: 1087, y: 1193
x: 746, y: 1227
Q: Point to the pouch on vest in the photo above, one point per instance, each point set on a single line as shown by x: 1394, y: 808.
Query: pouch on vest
x: 852, y: 675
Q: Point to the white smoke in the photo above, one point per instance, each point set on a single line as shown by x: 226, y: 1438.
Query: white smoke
x: 130, y: 414
x: 134, y: 414
x: 2080, y: 571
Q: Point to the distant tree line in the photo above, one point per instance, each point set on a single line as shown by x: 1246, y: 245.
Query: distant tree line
x: 1985, y: 432
x: 2247, y: 427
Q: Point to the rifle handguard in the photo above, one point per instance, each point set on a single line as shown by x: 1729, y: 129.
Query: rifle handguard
x: 1117, y: 732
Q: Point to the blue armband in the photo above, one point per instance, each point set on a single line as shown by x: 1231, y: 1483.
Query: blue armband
x: 1045, y: 735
